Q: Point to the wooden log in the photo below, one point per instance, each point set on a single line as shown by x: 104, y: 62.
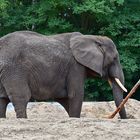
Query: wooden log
x: 125, y: 100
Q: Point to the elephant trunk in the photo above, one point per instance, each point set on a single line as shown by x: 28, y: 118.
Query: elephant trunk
x: 116, y: 77
x: 118, y: 97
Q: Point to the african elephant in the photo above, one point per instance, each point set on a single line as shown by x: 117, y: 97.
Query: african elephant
x: 55, y: 67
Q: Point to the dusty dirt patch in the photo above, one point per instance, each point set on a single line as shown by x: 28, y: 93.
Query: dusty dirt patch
x: 49, y: 121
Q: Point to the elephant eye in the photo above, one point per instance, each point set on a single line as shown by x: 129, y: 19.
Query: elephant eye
x: 98, y: 43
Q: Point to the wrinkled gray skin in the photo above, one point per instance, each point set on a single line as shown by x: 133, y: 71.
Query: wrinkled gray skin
x: 54, y: 67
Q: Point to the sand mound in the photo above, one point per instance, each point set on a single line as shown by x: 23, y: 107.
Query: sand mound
x: 49, y: 121
x: 94, y: 110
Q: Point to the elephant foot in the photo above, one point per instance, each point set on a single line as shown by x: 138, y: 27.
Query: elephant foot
x: 72, y: 106
x: 21, y: 114
x: 75, y: 107
x: 20, y: 111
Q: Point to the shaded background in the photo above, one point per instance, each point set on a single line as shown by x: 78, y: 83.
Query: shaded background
x: 117, y: 19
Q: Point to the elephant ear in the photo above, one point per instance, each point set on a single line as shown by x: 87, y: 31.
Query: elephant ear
x: 87, y: 52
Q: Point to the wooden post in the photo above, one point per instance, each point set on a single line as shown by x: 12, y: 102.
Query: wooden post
x: 125, y: 100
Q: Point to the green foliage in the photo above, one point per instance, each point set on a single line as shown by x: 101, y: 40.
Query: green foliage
x: 59, y: 25
x: 97, y: 90
x: 117, y: 19
x: 93, y: 7
x: 3, y: 4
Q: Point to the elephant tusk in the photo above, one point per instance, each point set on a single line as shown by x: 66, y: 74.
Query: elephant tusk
x: 110, y: 83
x: 120, y: 84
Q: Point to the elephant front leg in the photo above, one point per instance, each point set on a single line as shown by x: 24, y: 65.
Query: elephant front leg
x: 75, y: 106
x: 72, y: 105
x: 76, y: 90
x: 3, y: 105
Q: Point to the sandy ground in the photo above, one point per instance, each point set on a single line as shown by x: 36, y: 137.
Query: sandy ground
x: 49, y: 121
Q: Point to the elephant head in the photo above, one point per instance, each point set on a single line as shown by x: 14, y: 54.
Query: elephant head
x: 100, y: 55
